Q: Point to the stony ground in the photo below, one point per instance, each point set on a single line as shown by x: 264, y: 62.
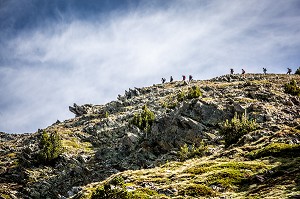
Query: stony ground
x: 102, y: 144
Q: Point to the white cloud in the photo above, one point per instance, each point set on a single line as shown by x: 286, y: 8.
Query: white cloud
x: 94, y: 61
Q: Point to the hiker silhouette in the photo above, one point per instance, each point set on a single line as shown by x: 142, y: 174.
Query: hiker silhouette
x: 265, y: 70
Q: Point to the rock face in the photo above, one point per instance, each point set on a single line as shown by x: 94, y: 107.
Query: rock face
x: 101, y: 140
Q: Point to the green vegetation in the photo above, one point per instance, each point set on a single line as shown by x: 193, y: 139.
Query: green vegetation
x: 107, y: 191
x: 116, y: 189
x: 143, y: 193
x: 50, y: 147
x: 144, y: 120
x: 226, y: 178
x: 118, y: 181
x: 181, y: 96
x: 197, y: 190
x: 73, y: 143
x: 298, y: 71
x: 191, y: 152
x: 233, y: 130
x: 194, y: 178
x: 194, y: 92
x: 171, y: 104
x: 276, y: 150
x: 226, y: 175
x: 173, y: 100
x: 292, y: 88
x: 5, y: 196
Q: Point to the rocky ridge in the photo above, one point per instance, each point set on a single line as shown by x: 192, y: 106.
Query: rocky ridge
x: 101, y: 142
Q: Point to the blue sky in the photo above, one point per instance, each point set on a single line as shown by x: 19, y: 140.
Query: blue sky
x: 54, y: 53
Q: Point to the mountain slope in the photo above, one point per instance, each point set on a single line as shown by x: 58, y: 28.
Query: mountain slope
x: 117, y: 139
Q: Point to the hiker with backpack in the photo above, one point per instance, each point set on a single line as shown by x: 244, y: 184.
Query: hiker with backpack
x: 265, y: 71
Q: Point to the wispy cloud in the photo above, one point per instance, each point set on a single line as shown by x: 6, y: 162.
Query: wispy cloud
x: 49, y: 67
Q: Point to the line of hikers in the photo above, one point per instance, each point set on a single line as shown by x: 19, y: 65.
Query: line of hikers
x: 264, y: 71
x: 163, y: 80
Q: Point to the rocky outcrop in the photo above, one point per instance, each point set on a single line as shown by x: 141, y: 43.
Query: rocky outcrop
x: 78, y: 110
x: 101, y: 140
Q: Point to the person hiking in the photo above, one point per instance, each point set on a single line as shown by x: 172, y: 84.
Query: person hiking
x: 183, y: 77
x: 190, y: 78
x: 265, y: 71
x: 289, y: 71
x: 163, y: 80
x: 171, y: 79
x: 231, y: 71
x: 243, y: 71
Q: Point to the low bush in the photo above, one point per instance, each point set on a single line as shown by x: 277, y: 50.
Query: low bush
x: 196, y: 190
x: 118, y: 181
x: 50, y: 147
x: 181, y: 96
x: 173, y: 100
x: 227, y: 178
x: 145, y: 193
x: 192, y: 152
x: 107, y: 192
x: 144, y: 120
x: 233, y: 130
x: 116, y: 189
x: 276, y: 150
x: 292, y: 88
x: 194, y: 92
x: 200, y: 169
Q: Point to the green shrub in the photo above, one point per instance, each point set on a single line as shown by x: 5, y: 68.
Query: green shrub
x: 144, y: 120
x: 276, y: 150
x: 197, y: 190
x: 107, y: 192
x: 233, y: 130
x: 118, y: 181
x: 106, y: 114
x: 292, y: 88
x: 170, y: 103
x: 191, y: 152
x: 143, y: 193
x: 200, y: 169
x: 227, y: 177
x: 194, y: 92
x: 298, y: 71
x: 117, y: 191
x: 174, y: 100
x: 50, y: 147
x: 180, y: 96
